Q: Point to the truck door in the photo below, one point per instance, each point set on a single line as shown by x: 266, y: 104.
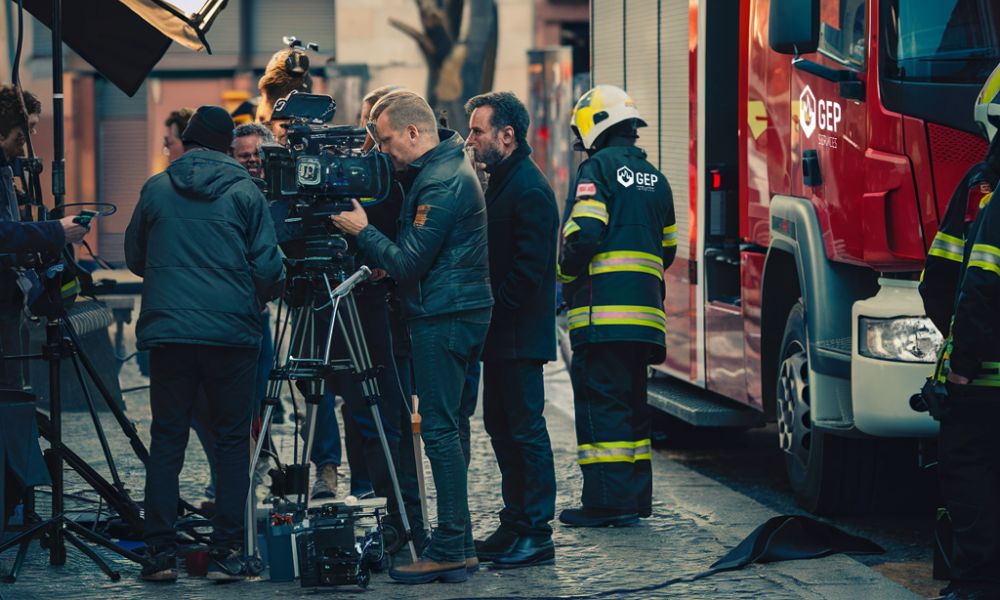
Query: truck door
x: 829, y: 136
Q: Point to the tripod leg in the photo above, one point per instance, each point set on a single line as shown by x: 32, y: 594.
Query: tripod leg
x: 22, y: 553
x: 100, y: 540
x: 357, y: 349
x: 101, y: 564
x: 250, y: 543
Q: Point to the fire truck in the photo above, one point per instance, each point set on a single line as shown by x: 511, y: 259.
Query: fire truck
x: 812, y: 147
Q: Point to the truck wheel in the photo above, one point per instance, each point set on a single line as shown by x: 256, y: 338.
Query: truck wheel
x: 829, y: 474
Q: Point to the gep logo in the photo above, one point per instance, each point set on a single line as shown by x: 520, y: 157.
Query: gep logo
x: 626, y: 177
x: 807, y: 111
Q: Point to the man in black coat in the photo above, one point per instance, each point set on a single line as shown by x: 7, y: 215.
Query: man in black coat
x: 523, y: 232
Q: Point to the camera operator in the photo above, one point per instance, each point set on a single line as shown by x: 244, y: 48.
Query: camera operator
x: 17, y: 237
x: 440, y: 262
x: 202, y: 238
x: 286, y: 72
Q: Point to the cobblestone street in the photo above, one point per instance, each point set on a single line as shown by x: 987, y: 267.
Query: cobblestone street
x: 696, y: 520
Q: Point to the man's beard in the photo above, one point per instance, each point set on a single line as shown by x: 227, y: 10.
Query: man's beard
x: 490, y: 157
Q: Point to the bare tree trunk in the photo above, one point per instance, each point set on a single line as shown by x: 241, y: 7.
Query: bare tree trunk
x: 457, y: 67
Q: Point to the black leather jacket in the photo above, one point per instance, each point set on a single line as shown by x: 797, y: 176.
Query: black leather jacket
x: 439, y: 258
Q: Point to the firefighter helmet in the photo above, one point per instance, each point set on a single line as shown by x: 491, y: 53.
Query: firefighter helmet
x: 987, y: 109
x: 599, y: 109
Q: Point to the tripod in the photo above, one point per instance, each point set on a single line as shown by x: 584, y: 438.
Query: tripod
x: 59, y: 529
x: 309, y: 360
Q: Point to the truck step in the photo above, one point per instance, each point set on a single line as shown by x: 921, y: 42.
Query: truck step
x: 699, y: 407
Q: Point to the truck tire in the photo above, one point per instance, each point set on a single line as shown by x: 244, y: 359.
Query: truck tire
x: 829, y: 474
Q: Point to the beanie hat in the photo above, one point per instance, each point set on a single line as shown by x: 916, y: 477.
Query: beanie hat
x: 211, y: 127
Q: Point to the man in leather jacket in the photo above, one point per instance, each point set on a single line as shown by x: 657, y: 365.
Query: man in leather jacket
x: 439, y: 260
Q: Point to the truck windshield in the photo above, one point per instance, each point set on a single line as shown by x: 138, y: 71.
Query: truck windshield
x: 944, y: 41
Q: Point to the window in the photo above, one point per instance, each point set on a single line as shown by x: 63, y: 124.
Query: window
x: 842, y: 31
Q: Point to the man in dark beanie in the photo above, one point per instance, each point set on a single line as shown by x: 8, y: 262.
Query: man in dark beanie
x: 202, y: 239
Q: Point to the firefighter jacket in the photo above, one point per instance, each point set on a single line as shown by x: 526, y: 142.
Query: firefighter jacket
x: 940, y: 279
x: 619, y: 238
x: 974, y: 349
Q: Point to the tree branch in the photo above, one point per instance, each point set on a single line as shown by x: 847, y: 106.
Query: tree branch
x: 426, y: 46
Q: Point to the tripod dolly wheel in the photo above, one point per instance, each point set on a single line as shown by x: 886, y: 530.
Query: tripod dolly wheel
x: 255, y: 566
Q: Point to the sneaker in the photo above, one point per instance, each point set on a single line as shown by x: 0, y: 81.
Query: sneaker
x: 226, y: 565
x: 162, y: 567
x: 325, y: 485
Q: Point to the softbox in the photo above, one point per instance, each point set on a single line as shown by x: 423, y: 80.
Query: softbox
x: 124, y: 39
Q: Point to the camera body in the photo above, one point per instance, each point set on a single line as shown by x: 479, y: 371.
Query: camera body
x: 338, y: 549
x: 317, y: 174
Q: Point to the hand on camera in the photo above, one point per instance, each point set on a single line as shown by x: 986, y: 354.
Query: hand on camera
x: 351, y: 222
x: 74, y: 232
x: 378, y: 274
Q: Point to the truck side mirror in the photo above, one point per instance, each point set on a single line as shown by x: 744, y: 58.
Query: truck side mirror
x: 793, y: 26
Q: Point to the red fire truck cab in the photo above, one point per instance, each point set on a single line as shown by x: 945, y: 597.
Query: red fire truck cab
x: 812, y: 147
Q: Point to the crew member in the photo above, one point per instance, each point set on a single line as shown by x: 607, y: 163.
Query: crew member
x: 286, y: 72
x: 523, y: 237
x: 176, y: 123
x: 20, y: 237
x: 619, y: 238
x: 439, y: 260
x: 969, y: 466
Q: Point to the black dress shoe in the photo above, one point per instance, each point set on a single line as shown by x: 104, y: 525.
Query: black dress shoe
x: 499, y: 542
x: 527, y: 551
x: 597, y: 517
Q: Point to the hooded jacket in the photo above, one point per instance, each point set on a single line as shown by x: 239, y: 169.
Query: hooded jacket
x: 203, y: 241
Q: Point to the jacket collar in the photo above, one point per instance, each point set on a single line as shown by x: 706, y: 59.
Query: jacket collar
x: 450, y: 141
x: 501, y: 172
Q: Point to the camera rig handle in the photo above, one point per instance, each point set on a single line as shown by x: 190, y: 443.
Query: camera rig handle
x: 348, y: 284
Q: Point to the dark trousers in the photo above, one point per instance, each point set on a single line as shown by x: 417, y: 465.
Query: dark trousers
x: 229, y: 378
x: 443, y: 348
x: 969, y: 471
x: 513, y: 403
x: 612, y: 425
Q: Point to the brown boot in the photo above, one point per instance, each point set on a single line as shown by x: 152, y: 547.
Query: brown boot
x: 426, y: 571
x: 325, y: 485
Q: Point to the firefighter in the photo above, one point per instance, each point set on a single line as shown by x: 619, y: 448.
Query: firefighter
x: 616, y: 243
x: 939, y: 281
x: 969, y: 465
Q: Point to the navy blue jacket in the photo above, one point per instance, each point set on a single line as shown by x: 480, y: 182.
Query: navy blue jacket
x: 30, y: 237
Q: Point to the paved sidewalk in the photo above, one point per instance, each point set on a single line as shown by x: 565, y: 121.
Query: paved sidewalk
x: 696, y: 520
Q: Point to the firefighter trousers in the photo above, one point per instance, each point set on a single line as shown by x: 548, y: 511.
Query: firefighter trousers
x: 969, y: 471
x: 613, y: 425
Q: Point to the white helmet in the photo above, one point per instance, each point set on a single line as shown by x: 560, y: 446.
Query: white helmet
x: 599, y: 109
x: 987, y: 109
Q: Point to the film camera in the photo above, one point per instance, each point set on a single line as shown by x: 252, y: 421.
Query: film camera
x: 340, y: 547
x: 317, y: 173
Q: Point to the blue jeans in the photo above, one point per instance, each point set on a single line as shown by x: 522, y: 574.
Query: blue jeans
x: 443, y: 349
x: 326, y: 447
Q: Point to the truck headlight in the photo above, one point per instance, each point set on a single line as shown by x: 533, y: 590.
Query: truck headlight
x: 903, y: 339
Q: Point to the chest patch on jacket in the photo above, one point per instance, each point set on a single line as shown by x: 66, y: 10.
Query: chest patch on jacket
x: 422, y: 211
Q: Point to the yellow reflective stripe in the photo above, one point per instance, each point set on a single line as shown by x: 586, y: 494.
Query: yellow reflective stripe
x: 985, y: 257
x: 563, y: 278
x: 627, y: 261
x: 606, y: 452
x: 945, y: 254
x: 642, y: 316
x: 570, y: 228
x: 670, y: 236
x: 594, y: 209
x: 948, y: 247
x: 988, y: 379
x: 68, y: 289
x: 985, y: 200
